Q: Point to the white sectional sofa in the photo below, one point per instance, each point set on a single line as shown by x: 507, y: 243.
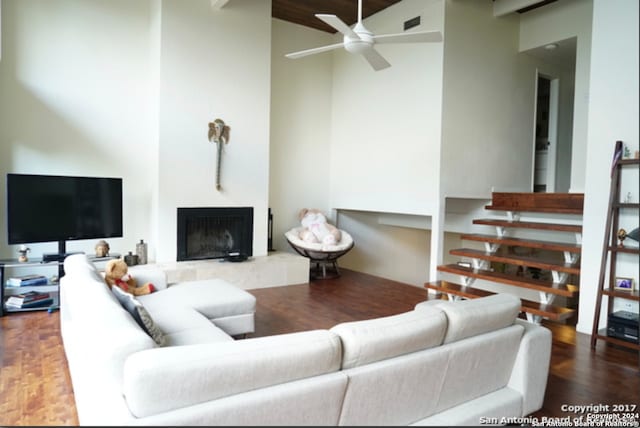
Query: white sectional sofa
x: 443, y: 363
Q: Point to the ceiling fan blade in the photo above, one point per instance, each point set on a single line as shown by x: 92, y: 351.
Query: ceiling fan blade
x: 375, y: 59
x: 312, y: 51
x: 415, y: 37
x: 338, y: 24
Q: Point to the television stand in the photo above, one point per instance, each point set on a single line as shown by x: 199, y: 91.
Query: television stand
x: 51, y: 287
x: 57, y: 257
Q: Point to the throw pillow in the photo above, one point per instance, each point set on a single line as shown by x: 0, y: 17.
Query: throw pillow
x: 140, y: 314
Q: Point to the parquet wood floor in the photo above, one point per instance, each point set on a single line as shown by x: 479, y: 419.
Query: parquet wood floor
x: 35, y: 388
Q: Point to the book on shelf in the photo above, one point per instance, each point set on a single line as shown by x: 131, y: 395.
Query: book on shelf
x: 37, y: 304
x: 26, y: 280
x: 32, y: 299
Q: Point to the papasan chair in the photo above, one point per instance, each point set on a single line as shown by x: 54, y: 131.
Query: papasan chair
x: 323, y: 258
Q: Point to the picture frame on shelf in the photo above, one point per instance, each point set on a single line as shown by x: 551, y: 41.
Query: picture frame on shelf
x: 624, y: 283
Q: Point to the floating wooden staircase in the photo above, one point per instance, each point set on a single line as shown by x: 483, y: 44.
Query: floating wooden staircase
x: 500, y: 251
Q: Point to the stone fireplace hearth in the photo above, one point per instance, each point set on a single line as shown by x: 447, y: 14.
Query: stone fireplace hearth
x: 214, y: 232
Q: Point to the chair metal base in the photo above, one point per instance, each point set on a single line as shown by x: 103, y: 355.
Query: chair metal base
x: 323, y: 264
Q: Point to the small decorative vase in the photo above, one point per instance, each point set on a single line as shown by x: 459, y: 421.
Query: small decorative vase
x: 131, y: 259
x: 141, y: 252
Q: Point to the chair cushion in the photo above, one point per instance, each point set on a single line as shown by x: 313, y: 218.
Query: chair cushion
x: 293, y: 237
x: 140, y: 314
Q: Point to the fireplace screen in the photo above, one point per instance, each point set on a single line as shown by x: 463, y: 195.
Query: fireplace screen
x: 212, y: 233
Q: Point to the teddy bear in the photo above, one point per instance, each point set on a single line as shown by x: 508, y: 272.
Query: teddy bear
x: 317, y: 229
x: 116, y: 272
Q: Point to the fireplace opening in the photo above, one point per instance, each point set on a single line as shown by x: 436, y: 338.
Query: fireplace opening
x: 213, y: 233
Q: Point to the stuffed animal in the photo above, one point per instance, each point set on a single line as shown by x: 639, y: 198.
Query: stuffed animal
x: 116, y: 272
x: 317, y: 229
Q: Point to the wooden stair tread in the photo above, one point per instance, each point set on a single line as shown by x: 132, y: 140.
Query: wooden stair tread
x: 560, y: 227
x: 519, y: 242
x: 560, y: 203
x: 567, y: 290
x: 518, y: 260
x: 555, y: 313
x: 536, y: 210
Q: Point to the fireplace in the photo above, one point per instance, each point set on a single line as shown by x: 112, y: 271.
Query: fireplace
x: 213, y: 233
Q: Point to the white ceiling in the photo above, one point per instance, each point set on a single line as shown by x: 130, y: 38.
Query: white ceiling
x: 564, y: 55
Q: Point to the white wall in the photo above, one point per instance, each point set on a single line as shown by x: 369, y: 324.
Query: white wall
x: 487, y: 103
x: 374, y: 135
x: 213, y: 64
x: 558, y: 21
x: 75, y: 100
x: 613, y: 115
x: 397, y: 253
x: 300, y: 126
x: 565, y: 132
x: 385, y: 138
x: 127, y: 89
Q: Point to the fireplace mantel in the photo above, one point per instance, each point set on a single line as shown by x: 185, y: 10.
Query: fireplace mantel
x: 275, y: 269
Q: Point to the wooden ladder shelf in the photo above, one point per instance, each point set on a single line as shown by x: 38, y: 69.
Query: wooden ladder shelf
x: 610, y: 252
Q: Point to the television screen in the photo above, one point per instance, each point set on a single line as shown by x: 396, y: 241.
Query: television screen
x: 43, y: 208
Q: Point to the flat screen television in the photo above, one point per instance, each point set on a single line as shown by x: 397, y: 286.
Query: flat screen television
x: 45, y: 208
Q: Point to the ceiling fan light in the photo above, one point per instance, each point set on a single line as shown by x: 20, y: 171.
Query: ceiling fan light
x: 551, y: 46
x: 357, y: 46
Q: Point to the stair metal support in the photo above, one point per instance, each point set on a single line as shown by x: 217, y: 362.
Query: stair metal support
x: 579, y: 238
x: 453, y: 297
x: 491, y: 248
x: 513, y: 216
x: 467, y: 280
x: 547, y: 298
x: 480, y: 264
x: 559, y: 277
x: 571, y: 258
x: 536, y: 319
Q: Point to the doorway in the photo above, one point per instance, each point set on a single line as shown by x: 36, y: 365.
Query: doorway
x: 546, y: 134
x: 553, y: 81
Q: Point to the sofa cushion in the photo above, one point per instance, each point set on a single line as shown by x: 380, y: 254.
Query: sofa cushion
x: 214, y: 298
x: 79, y: 265
x: 478, y: 365
x: 148, y: 274
x: 183, y: 325
x: 179, y: 376
x: 196, y: 336
x: 377, y: 339
x: 476, y: 316
x: 140, y: 314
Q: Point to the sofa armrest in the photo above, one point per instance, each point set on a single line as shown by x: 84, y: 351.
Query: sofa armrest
x: 531, y: 368
x: 143, y: 274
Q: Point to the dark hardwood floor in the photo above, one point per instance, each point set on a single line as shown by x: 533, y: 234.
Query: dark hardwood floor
x: 35, y: 388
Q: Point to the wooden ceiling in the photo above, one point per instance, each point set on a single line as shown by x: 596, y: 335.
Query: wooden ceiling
x: 303, y: 11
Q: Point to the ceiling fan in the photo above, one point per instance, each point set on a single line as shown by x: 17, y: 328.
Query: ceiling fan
x: 359, y: 40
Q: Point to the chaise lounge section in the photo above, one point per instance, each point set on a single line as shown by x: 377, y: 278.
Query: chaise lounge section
x: 443, y: 363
